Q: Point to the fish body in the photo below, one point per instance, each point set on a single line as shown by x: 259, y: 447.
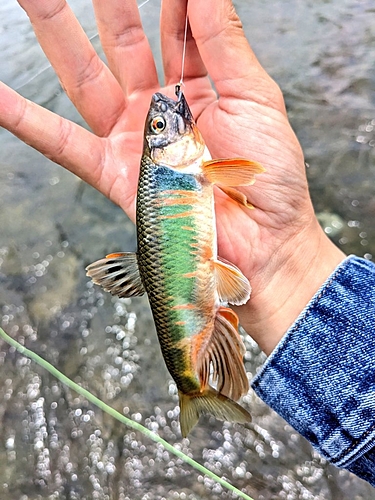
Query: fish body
x: 175, y: 250
x: 177, y: 264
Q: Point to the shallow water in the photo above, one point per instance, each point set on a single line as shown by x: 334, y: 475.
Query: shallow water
x: 54, y: 444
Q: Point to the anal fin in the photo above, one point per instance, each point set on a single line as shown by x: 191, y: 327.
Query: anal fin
x: 232, y: 285
x: 117, y: 273
x: 224, y: 353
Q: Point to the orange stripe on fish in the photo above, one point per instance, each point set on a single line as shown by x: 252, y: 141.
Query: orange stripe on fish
x: 190, y: 275
x: 180, y: 192
x: 177, y: 197
x: 182, y: 307
x: 188, y: 213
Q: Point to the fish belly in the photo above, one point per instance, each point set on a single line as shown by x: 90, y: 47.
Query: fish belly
x: 176, y: 244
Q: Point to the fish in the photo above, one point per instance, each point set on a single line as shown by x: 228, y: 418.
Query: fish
x: 189, y: 286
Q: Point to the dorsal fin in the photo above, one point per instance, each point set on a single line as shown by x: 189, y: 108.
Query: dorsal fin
x: 117, y: 273
x: 224, y: 353
x: 232, y: 285
x: 232, y: 171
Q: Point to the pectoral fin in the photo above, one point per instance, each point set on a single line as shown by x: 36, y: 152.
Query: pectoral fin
x: 117, y: 273
x: 236, y: 196
x: 232, y: 285
x: 232, y: 171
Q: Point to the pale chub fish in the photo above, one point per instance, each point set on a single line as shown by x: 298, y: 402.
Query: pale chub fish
x: 177, y: 265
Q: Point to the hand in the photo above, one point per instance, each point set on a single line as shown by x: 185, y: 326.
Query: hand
x: 279, y: 245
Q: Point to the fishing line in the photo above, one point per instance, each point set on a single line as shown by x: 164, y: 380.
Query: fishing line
x: 181, y: 83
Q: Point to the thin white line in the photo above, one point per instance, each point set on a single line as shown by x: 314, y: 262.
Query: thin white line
x: 184, y: 51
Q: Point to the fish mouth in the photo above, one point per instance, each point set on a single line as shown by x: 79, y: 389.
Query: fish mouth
x: 162, y: 103
x: 182, y: 106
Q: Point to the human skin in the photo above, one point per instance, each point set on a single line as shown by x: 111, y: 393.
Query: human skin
x: 279, y: 245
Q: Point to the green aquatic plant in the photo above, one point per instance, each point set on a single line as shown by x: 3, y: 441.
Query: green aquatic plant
x: 118, y: 416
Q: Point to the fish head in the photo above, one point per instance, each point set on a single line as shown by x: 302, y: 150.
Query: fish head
x: 171, y: 136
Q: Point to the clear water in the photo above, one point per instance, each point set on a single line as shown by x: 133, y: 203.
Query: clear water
x: 55, y: 445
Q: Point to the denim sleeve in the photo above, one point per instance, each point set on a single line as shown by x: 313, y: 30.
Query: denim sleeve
x: 321, y: 376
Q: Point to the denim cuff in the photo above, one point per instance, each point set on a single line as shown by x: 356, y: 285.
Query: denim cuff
x: 321, y: 376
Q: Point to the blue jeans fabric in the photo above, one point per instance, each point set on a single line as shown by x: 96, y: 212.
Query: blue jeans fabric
x: 321, y: 376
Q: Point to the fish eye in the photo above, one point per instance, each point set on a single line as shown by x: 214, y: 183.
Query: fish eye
x: 157, y: 125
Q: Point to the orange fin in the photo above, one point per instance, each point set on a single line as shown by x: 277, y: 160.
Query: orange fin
x: 212, y: 402
x: 232, y: 285
x: 118, y: 274
x: 232, y: 171
x: 224, y: 354
x: 236, y: 196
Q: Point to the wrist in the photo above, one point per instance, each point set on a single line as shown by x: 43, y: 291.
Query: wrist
x: 294, y: 275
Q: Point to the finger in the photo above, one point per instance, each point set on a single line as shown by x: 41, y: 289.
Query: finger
x: 172, y: 28
x: 230, y: 62
x: 58, y: 139
x: 125, y: 45
x: 85, y: 78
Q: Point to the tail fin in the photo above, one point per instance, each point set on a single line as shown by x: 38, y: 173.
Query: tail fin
x: 212, y: 402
